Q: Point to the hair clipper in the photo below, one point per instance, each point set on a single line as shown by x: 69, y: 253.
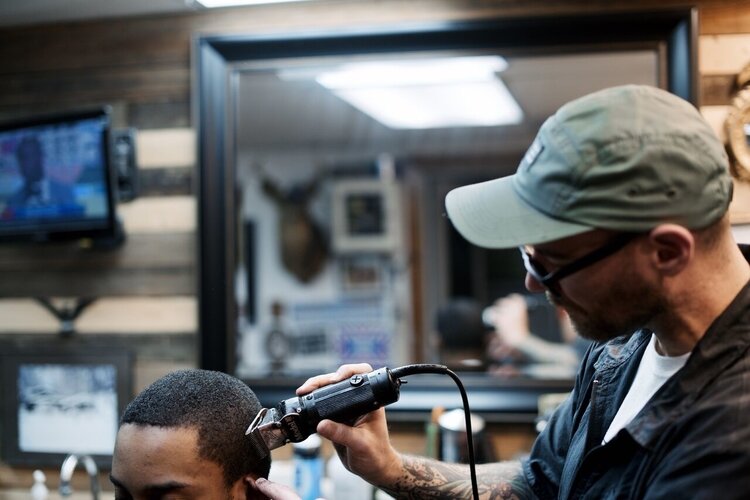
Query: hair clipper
x: 294, y: 419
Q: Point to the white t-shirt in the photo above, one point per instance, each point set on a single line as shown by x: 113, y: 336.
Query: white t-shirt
x: 653, y: 371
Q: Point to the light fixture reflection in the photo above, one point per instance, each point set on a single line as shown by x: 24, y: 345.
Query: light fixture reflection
x: 427, y: 93
x: 210, y: 4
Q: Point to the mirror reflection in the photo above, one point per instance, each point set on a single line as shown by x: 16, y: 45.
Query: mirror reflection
x: 344, y: 252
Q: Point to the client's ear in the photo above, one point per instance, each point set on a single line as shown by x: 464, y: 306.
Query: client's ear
x: 250, y: 493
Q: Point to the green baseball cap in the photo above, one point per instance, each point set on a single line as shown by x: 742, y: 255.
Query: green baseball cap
x: 625, y: 158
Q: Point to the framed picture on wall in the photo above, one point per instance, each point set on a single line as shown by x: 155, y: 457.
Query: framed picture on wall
x: 58, y: 403
x: 365, y: 216
x: 361, y: 274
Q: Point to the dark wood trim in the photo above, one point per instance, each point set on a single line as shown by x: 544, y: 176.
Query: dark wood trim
x: 415, y: 275
x: 216, y: 240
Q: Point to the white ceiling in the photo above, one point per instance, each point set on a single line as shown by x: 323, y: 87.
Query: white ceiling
x: 26, y: 12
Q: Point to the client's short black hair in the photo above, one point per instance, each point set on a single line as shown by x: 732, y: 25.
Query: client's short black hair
x: 218, y: 405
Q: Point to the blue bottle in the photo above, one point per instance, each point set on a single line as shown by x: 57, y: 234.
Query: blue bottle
x: 308, y: 468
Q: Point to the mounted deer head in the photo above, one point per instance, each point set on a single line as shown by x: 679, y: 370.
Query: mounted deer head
x: 304, y: 247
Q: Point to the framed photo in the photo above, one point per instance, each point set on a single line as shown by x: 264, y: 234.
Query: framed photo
x: 57, y: 403
x: 365, y: 216
x: 361, y: 274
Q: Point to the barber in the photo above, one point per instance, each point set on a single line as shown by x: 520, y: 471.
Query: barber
x: 620, y: 210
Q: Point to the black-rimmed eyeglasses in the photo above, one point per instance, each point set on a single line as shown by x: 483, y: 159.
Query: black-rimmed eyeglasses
x: 551, y: 279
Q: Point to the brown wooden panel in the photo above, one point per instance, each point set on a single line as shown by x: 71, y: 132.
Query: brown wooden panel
x: 717, y: 90
x: 147, y: 264
x: 169, y: 347
x: 113, y: 42
x: 97, y: 283
x: 724, y: 17
x: 94, y: 85
x: 159, y: 114
x: 140, y: 251
x: 165, y: 181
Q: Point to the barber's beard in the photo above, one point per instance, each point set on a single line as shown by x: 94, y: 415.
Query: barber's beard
x: 621, y: 310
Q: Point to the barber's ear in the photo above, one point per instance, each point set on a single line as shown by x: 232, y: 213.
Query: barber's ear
x: 673, y: 248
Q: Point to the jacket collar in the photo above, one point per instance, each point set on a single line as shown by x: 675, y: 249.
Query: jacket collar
x: 726, y: 340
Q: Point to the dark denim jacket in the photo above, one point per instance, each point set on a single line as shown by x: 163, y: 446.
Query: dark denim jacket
x: 691, y: 440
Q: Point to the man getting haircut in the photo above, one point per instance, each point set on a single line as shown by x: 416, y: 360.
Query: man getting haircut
x: 185, y: 434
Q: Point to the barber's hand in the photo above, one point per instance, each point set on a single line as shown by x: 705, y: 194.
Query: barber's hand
x: 499, y: 351
x: 510, y: 318
x: 364, y: 448
x: 275, y: 491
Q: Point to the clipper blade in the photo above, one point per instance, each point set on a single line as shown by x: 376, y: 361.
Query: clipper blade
x: 267, y: 431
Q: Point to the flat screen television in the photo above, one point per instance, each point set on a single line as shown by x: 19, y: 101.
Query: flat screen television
x: 56, y: 180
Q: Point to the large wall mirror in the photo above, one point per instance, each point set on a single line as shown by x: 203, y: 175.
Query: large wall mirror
x: 324, y: 162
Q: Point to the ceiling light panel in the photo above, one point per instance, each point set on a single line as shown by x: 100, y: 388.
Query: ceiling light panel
x: 427, y: 93
x: 210, y: 4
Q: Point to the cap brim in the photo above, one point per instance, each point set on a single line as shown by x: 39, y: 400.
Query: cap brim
x: 491, y: 215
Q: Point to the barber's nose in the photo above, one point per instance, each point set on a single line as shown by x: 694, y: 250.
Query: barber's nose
x: 533, y: 285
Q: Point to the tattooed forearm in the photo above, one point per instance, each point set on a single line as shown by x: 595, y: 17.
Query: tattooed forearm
x: 425, y: 478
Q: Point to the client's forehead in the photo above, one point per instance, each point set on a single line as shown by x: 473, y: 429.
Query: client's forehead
x: 149, y: 458
x: 153, y: 438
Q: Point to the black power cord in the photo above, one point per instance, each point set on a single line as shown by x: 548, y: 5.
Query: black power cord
x: 294, y: 419
x: 405, y: 371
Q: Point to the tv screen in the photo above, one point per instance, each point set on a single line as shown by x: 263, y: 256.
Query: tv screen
x: 55, y: 178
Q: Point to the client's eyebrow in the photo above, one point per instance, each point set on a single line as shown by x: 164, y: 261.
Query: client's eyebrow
x: 153, y: 490
x: 116, y: 482
x: 118, y: 486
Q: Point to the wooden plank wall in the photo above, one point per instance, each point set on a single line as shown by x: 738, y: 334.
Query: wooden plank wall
x: 141, y: 67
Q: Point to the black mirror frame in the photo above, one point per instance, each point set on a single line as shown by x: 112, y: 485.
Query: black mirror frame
x: 672, y: 31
